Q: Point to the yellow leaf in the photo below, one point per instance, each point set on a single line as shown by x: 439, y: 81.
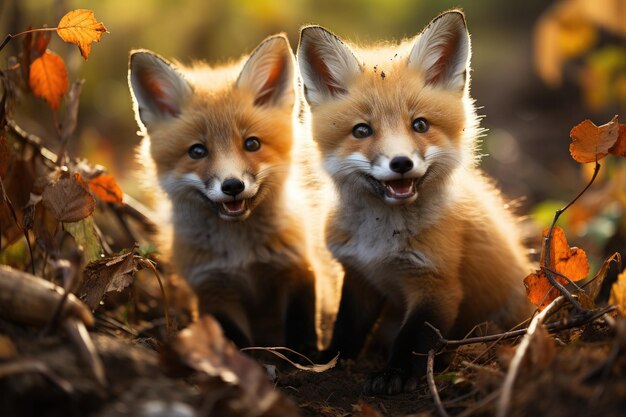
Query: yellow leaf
x: 618, y: 293
x: 590, y: 143
x: 81, y: 28
x: 48, y: 78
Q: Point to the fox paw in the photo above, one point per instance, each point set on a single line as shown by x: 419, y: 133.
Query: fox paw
x: 389, y: 381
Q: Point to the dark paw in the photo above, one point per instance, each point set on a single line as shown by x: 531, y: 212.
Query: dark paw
x: 390, y: 381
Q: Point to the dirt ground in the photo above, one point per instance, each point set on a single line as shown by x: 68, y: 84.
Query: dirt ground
x: 579, y: 372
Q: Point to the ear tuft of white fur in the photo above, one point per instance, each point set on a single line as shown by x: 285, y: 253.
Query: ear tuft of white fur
x: 269, y: 73
x: 326, y: 64
x: 158, y: 89
x: 442, y: 51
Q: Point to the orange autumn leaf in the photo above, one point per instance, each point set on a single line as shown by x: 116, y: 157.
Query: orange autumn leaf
x: 106, y: 189
x: 570, y: 262
x: 81, y: 28
x: 48, y: 78
x: 619, y: 148
x: 590, y: 143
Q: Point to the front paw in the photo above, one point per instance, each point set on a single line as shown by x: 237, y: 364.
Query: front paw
x: 389, y: 381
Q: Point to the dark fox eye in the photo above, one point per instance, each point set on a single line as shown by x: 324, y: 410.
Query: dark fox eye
x: 420, y: 125
x: 252, y: 144
x: 197, y: 151
x: 362, y: 130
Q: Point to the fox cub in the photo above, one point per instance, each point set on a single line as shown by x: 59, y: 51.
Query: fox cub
x: 221, y: 140
x: 417, y: 227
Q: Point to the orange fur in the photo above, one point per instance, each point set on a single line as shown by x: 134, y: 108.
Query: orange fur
x: 246, y: 253
x: 416, y: 225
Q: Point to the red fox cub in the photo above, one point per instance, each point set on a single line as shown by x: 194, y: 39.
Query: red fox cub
x: 416, y: 226
x: 220, y: 140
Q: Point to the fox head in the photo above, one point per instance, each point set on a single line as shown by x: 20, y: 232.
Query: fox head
x: 219, y: 138
x: 391, y: 122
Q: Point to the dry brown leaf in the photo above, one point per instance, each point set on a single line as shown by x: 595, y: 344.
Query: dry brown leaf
x: 571, y: 262
x: 68, y: 199
x: 592, y: 288
x: 113, y: 273
x: 618, y: 293
x: 243, y: 388
x: 106, y: 189
x: 48, y: 78
x: 81, y: 28
x: 590, y: 143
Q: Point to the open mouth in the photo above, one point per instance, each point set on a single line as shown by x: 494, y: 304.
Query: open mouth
x: 233, y: 208
x: 400, y: 189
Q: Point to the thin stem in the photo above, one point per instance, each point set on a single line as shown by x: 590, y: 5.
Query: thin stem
x: 548, y: 243
x: 8, y: 38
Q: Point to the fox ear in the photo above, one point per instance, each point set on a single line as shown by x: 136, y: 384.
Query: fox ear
x: 158, y: 89
x: 441, y: 52
x: 326, y: 63
x: 268, y: 73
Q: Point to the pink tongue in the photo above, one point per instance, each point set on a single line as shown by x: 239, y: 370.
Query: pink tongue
x: 234, y: 206
x: 400, y: 186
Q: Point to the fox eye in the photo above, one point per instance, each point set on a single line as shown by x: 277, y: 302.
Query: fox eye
x: 362, y: 130
x: 252, y: 144
x: 420, y: 125
x: 197, y: 151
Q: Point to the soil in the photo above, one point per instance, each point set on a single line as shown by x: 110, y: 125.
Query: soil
x: 580, y: 372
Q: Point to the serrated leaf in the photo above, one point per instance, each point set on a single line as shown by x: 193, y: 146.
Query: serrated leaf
x: 81, y: 28
x: 48, y: 78
x: 85, y: 235
x: 68, y: 200
x: 590, y: 143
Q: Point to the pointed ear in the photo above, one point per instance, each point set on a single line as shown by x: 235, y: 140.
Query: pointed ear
x: 158, y: 89
x: 269, y: 72
x: 327, y: 65
x: 442, y: 51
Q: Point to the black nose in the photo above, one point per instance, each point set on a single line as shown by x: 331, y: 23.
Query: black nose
x: 232, y: 186
x: 401, y: 164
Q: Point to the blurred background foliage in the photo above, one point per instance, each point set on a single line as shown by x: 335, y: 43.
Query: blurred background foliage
x: 539, y: 68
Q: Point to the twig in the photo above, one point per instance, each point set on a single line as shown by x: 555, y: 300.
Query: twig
x: 79, y: 335
x: 509, y: 380
x: 21, y: 366
x: 587, y: 316
x: 148, y: 264
x: 430, y: 379
x: 548, y: 244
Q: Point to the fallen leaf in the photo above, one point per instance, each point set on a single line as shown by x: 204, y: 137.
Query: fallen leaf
x: 81, y: 28
x: 68, y: 200
x: 570, y: 262
x: 105, y: 188
x: 48, y: 78
x: 239, y: 384
x: 590, y: 143
x: 618, y: 293
x: 113, y: 273
x: 85, y: 235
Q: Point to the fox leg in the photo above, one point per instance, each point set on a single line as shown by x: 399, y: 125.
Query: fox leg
x: 300, y: 321
x: 437, y: 308
x: 359, y: 308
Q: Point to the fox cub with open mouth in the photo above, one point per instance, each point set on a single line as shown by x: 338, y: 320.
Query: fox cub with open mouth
x: 221, y: 141
x: 417, y: 227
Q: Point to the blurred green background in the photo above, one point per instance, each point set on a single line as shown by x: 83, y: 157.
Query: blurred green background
x: 539, y: 68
